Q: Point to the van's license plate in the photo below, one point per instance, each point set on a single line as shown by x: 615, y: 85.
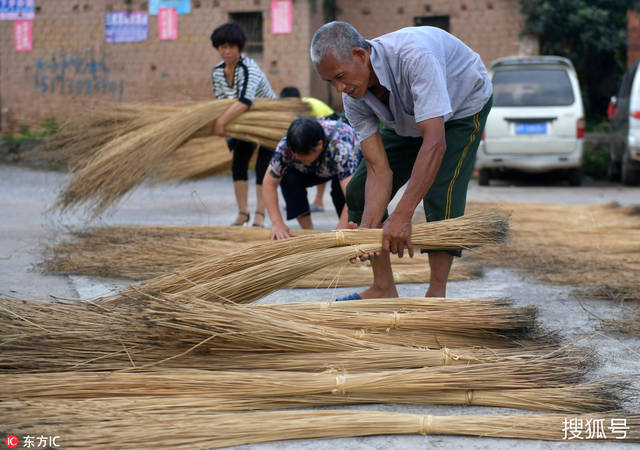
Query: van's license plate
x: 531, y: 128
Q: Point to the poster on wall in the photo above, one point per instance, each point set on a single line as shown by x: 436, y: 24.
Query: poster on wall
x: 17, y: 9
x: 167, y: 24
x: 281, y: 17
x: 23, y: 35
x: 181, y: 6
x: 123, y: 26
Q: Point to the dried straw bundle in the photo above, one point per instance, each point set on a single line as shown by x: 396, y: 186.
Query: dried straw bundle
x: 501, y: 318
x: 46, y: 336
x: 193, y: 422
x: 139, y: 259
x: 265, y: 278
x: 301, y: 256
x: 124, y: 162
x: 580, y: 397
x: 43, y: 336
x: 81, y: 136
x: 197, y: 158
x: 361, y: 275
x: 550, y: 371
x: 130, y: 234
x: 190, y: 423
x: 367, y: 360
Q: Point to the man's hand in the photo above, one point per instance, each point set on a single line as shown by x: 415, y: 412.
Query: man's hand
x: 364, y: 256
x: 396, y: 235
x: 218, y: 129
x: 280, y: 231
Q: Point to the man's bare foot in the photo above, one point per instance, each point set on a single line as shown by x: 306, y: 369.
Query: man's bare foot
x: 374, y: 292
x: 436, y: 292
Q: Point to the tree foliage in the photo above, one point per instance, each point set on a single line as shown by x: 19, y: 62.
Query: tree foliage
x: 592, y: 34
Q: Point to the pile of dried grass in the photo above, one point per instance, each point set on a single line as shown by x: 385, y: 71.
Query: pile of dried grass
x: 129, y: 156
x: 595, y: 247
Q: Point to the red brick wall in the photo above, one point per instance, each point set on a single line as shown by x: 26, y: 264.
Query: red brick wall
x: 154, y: 70
x: 633, y: 37
x: 489, y: 27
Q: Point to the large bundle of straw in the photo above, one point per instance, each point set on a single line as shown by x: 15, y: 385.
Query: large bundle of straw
x: 198, y: 158
x: 276, y: 264
x: 136, y: 259
x: 190, y: 423
x: 81, y: 136
x: 50, y: 336
x: 123, y: 162
x: 405, y: 270
x: 535, y: 373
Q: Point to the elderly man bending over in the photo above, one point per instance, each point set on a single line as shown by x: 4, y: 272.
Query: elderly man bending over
x: 432, y: 94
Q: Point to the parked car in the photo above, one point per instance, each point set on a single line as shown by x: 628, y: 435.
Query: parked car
x: 624, y: 114
x: 537, y: 120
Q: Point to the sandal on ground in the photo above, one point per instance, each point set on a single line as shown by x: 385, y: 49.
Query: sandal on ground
x: 258, y: 213
x: 354, y: 296
x: 243, y: 217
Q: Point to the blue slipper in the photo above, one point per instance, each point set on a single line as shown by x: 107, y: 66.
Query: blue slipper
x: 354, y: 296
x: 314, y: 208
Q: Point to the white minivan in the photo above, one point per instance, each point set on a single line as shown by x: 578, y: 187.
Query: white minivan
x: 537, y: 120
x: 624, y: 113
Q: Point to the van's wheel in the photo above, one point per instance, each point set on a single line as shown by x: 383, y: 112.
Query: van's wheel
x: 483, y: 177
x: 575, y: 177
x: 630, y: 174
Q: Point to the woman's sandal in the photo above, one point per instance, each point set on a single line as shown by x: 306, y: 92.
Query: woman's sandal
x: 239, y: 220
x: 261, y: 225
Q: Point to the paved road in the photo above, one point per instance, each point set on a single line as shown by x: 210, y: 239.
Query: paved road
x: 26, y: 228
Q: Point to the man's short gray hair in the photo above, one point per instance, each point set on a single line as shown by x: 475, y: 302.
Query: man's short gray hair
x: 338, y: 39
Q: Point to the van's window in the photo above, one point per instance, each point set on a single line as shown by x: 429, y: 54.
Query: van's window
x: 532, y: 87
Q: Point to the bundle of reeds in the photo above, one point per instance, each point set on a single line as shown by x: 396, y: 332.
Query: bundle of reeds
x: 404, y: 271
x: 130, y: 234
x: 579, y: 397
x: 137, y: 259
x: 502, y: 318
x: 40, y: 336
x: 275, y: 264
x: 81, y: 136
x: 197, y: 158
x: 549, y: 371
x: 123, y: 162
x: 189, y: 423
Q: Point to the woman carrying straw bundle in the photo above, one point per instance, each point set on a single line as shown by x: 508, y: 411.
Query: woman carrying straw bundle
x: 239, y: 77
x: 312, y: 153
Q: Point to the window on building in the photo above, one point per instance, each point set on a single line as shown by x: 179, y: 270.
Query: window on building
x: 432, y: 21
x: 251, y: 23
